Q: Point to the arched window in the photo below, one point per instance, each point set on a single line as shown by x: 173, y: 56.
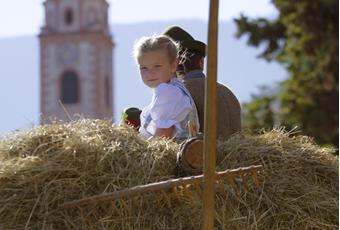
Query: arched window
x: 68, y: 16
x: 69, y: 88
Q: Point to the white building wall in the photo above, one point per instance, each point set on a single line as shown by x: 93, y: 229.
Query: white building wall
x: 93, y: 18
x: 86, y: 70
x: 54, y: 70
x: 51, y: 15
x: 92, y: 61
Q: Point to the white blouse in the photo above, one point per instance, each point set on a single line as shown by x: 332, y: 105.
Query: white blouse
x: 168, y: 107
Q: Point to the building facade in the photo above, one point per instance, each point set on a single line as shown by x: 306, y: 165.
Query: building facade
x: 76, y: 72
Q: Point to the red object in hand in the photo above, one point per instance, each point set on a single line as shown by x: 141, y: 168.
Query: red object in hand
x: 133, y: 123
x: 131, y: 117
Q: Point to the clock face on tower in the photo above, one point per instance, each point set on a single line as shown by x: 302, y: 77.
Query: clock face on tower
x: 67, y: 54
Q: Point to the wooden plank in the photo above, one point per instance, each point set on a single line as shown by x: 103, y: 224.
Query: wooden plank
x: 209, y: 156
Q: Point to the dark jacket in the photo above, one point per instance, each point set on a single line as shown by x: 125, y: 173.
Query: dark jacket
x: 228, y: 107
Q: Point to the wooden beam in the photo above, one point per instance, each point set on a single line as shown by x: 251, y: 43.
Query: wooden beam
x: 209, y: 156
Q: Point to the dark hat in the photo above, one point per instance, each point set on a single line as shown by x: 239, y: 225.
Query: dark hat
x: 185, y: 40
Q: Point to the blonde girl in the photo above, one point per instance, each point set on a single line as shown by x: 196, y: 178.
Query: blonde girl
x: 171, y: 106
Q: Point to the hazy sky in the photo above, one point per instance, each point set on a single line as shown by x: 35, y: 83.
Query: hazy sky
x: 21, y: 17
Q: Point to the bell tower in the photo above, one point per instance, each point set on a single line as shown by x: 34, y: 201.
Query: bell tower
x: 76, y: 60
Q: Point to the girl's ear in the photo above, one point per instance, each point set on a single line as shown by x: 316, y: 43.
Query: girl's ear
x: 174, y: 65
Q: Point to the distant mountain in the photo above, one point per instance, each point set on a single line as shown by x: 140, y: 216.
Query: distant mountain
x: 238, y: 68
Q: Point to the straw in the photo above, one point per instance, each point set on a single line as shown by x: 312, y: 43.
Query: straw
x: 46, y: 166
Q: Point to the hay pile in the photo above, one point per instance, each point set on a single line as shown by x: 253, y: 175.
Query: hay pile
x: 53, y: 164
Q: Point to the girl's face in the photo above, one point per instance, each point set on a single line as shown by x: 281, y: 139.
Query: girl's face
x: 155, y: 68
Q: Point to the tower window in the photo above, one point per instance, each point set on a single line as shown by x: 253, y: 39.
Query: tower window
x: 68, y: 16
x: 69, y: 88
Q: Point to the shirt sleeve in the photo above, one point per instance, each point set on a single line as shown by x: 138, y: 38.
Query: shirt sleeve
x: 169, y: 106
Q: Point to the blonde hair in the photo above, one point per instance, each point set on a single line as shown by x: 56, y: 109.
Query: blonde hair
x: 153, y: 43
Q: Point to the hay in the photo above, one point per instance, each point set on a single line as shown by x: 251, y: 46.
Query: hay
x: 49, y: 165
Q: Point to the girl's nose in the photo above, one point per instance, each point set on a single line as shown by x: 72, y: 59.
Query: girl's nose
x: 151, y: 72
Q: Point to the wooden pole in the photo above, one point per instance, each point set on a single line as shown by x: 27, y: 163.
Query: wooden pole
x: 162, y: 185
x: 210, y: 121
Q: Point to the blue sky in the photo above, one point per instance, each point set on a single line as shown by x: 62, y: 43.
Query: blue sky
x: 22, y: 17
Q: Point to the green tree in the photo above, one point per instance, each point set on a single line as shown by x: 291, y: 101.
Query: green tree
x: 305, y: 39
x: 259, y: 114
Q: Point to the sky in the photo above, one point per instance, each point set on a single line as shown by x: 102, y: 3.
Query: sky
x: 28, y: 18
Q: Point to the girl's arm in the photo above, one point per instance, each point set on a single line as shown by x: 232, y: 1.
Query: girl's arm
x: 165, y: 132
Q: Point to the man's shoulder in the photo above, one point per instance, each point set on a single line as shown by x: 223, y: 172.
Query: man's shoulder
x: 225, y: 92
x: 201, y: 81
x: 194, y: 81
x: 222, y: 86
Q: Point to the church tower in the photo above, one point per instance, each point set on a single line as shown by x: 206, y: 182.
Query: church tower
x: 76, y: 60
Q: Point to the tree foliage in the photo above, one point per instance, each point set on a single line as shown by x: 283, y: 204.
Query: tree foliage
x: 305, y: 39
x: 260, y: 113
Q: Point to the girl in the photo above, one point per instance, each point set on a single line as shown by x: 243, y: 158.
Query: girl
x: 171, y: 105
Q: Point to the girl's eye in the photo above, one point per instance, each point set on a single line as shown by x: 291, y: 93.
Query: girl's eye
x: 158, y: 66
x: 142, y: 68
